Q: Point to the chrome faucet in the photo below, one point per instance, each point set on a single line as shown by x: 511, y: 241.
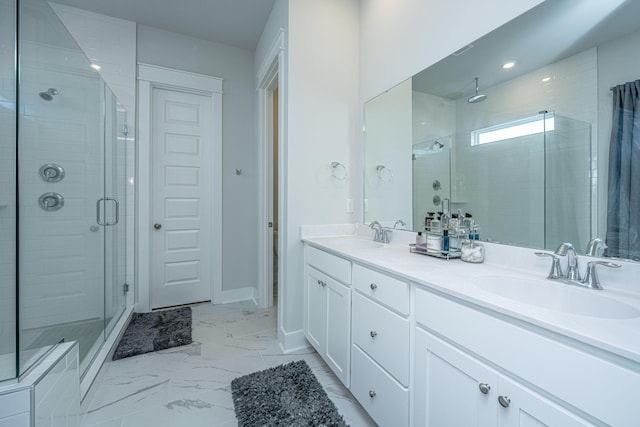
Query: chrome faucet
x: 375, y: 225
x: 573, y: 270
x: 401, y: 222
x: 572, y: 277
x: 596, y: 247
x: 382, y: 235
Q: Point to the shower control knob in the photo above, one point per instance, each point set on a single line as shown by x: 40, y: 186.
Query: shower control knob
x: 157, y: 226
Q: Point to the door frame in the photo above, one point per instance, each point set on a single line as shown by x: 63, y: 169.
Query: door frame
x: 150, y: 77
x: 271, y: 75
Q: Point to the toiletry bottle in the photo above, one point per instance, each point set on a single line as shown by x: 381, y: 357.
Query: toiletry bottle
x: 419, y: 239
x: 445, y: 219
x: 445, y: 240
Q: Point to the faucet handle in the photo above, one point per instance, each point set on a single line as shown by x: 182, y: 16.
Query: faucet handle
x: 591, y: 279
x: 556, y: 269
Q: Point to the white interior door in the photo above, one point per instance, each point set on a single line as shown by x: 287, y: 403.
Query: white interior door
x: 181, y: 198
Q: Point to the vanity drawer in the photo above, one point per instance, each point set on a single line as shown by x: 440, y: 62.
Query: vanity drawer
x: 334, y: 266
x: 383, y: 335
x: 386, y: 401
x: 391, y: 292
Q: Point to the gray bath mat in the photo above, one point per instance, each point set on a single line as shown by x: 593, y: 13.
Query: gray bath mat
x: 155, y: 331
x: 287, y: 395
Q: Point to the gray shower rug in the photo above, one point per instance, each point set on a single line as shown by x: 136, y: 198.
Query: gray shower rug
x: 286, y: 395
x: 155, y: 331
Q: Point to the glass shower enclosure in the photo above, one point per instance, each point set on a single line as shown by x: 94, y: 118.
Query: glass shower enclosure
x: 64, y: 193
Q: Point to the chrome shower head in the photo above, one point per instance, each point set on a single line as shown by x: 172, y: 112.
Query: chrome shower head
x: 49, y: 94
x: 477, y: 97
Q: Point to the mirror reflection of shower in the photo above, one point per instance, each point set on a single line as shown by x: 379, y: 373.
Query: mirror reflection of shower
x: 49, y: 94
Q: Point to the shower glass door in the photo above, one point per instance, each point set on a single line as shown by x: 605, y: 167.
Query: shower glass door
x: 71, y: 186
x: 7, y: 190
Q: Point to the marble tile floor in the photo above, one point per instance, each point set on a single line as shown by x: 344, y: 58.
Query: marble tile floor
x: 190, y: 385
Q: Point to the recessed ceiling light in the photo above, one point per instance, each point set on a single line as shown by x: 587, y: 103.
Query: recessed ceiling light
x: 96, y: 67
x: 508, y: 65
x: 546, y: 79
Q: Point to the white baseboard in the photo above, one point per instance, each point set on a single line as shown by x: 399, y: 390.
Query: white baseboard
x: 234, y: 295
x: 292, y: 341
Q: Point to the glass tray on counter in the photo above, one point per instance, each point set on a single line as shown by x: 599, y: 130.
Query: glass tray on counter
x: 440, y: 254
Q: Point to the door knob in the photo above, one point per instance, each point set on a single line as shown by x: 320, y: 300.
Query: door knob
x: 157, y: 226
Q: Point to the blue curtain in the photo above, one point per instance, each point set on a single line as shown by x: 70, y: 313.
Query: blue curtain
x: 623, y: 206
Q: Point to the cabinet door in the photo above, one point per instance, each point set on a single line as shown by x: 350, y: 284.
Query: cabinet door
x: 452, y: 388
x: 525, y: 408
x: 315, y: 320
x: 338, y: 354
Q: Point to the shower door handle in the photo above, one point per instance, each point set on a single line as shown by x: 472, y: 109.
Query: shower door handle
x: 99, y: 203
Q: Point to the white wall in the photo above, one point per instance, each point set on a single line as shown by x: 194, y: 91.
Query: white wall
x: 239, y: 192
x: 323, y: 121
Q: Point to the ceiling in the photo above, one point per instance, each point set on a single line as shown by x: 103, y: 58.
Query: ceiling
x: 551, y: 31
x: 233, y: 22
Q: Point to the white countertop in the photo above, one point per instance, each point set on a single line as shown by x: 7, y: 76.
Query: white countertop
x: 620, y: 337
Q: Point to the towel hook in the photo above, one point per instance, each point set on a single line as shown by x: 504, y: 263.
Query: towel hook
x: 338, y: 171
x: 384, y: 173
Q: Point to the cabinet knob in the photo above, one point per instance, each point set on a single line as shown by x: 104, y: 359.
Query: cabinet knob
x: 374, y: 286
x: 319, y: 282
x: 504, y: 401
x: 372, y: 393
x: 373, y: 334
x: 484, y: 388
x: 157, y: 226
x: 324, y: 283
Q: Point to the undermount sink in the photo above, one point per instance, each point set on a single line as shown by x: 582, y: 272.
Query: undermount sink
x: 356, y: 243
x: 556, y: 296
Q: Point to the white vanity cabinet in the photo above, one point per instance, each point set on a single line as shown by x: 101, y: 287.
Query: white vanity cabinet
x: 381, y: 346
x: 453, y: 388
x: 327, y: 317
x: 461, y: 353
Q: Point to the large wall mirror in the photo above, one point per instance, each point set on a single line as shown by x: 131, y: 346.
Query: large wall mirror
x: 516, y: 129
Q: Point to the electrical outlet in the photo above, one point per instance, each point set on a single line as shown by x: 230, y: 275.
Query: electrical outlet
x: 349, y: 206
